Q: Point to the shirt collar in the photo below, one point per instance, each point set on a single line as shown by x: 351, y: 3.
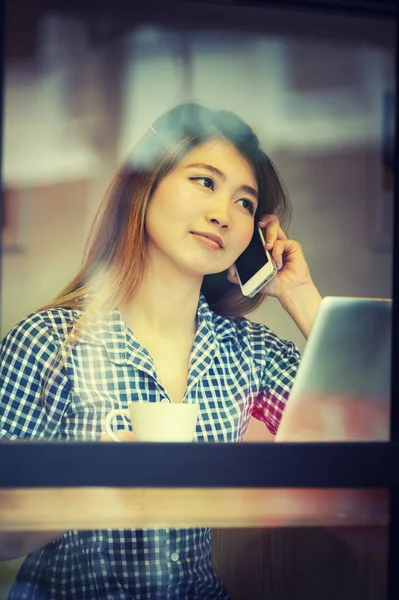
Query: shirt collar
x: 112, y: 332
x: 222, y: 327
x: 109, y: 331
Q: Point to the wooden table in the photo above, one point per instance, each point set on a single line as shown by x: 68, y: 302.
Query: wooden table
x: 92, y: 485
x: 99, y: 508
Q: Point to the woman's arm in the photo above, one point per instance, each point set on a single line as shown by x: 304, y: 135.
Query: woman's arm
x: 293, y: 285
x: 14, y: 544
x: 302, y: 306
x: 26, y: 357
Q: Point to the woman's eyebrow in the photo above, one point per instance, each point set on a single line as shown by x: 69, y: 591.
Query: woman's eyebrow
x: 216, y: 171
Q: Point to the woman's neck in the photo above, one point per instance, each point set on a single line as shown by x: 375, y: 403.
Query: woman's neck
x: 164, y: 307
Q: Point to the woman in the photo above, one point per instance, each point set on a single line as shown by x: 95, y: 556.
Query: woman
x: 156, y: 314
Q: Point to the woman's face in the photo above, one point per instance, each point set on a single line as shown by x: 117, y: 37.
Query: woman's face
x: 212, y: 191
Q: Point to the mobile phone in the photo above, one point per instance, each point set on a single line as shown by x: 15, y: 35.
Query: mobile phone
x: 255, y: 266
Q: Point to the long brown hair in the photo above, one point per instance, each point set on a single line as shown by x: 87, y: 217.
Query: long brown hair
x: 115, y: 255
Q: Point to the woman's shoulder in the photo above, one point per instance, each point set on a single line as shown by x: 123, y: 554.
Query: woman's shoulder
x: 54, y: 323
x: 243, y: 328
x: 257, y: 337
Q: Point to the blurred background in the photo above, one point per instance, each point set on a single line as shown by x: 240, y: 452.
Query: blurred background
x: 80, y: 88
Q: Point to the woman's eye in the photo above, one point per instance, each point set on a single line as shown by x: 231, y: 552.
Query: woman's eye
x: 248, y: 205
x: 208, y: 182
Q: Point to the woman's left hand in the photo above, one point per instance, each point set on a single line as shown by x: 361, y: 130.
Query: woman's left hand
x: 293, y: 271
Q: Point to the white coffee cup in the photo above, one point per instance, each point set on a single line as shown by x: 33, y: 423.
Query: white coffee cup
x: 157, y: 421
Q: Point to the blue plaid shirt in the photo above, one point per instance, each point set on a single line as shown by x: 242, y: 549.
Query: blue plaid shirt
x: 237, y: 369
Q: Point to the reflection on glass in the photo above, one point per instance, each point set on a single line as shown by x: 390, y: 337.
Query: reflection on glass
x: 72, y: 115
x: 264, y: 540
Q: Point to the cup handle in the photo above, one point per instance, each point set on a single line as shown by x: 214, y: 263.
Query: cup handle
x: 107, y: 423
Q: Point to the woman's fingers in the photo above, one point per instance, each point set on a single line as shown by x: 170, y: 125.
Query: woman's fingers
x: 124, y: 435
x: 272, y: 230
x: 287, y: 251
x: 277, y: 253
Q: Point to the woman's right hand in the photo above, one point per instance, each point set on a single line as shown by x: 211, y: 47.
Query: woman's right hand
x: 124, y: 435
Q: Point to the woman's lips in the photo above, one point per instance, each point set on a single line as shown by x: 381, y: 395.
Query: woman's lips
x: 212, y: 241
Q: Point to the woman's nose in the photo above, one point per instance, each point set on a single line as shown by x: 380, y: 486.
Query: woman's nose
x: 219, y: 214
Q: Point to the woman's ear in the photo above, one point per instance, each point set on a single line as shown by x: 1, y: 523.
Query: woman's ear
x: 231, y: 274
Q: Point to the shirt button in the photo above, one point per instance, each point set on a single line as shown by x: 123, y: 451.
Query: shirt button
x: 174, y: 556
x: 165, y: 400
